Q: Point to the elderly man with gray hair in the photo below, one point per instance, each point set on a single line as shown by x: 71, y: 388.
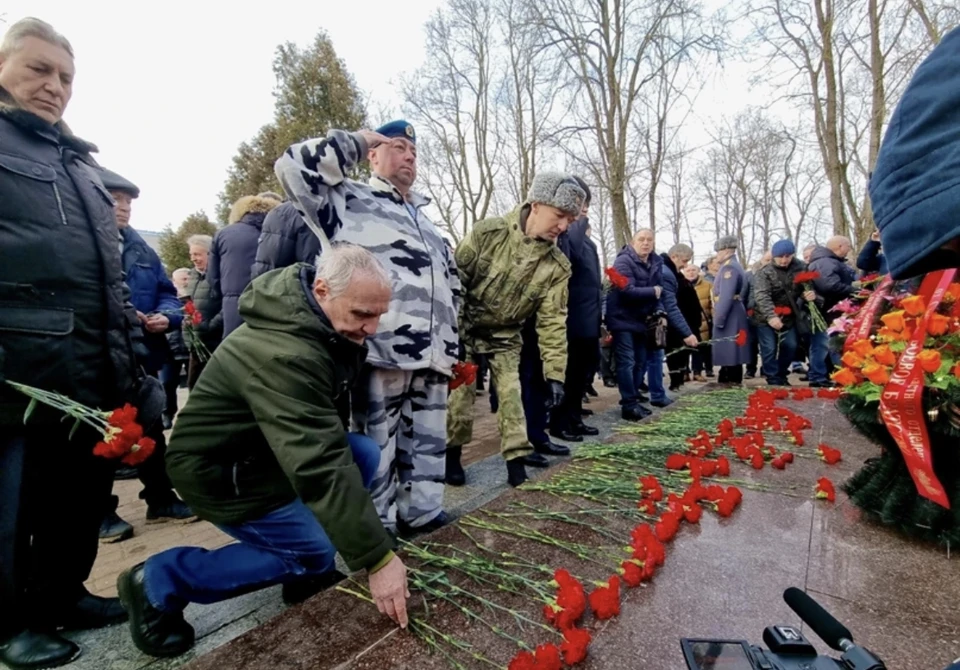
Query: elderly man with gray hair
x: 261, y: 451
x: 207, y: 302
x: 66, y: 326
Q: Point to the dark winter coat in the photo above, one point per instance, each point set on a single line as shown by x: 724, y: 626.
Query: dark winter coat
x: 629, y: 308
x: 66, y: 323
x: 208, y: 304
x: 261, y: 427
x: 233, y: 253
x: 680, y: 302
x: 586, y: 293
x: 284, y: 240
x: 773, y: 287
x: 151, y: 291
x: 835, y: 282
x: 871, y: 259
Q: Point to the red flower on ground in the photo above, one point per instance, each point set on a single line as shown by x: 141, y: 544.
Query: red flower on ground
x: 616, y: 278
x: 632, y: 572
x: 571, y: 601
x: 741, y: 338
x: 677, y: 462
x: 524, y: 660
x: 547, y: 657
x: 779, y: 463
x: 605, y: 600
x: 825, y: 490
x: 829, y: 455
x: 651, y: 488
x: 756, y: 460
x: 574, y: 645
x: 667, y: 526
x: 647, y: 506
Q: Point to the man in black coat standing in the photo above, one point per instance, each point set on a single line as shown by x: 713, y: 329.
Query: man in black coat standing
x: 65, y: 326
x: 583, y: 324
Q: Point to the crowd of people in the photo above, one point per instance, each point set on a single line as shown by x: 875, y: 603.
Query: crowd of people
x: 327, y: 406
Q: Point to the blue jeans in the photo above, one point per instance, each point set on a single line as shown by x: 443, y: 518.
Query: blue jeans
x: 630, y: 353
x: 285, y: 544
x: 776, y: 365
x: 818, y: 358
x: 655, y: 375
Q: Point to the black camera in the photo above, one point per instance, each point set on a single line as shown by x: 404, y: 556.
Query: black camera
x: 787, y: 649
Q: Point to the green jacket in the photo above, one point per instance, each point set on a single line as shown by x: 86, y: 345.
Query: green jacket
x: 773, y: 287
x: 261, y: 426
x: 508, y: 277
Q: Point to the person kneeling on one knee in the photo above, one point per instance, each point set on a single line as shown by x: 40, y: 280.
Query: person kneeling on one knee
x: 260, y: 450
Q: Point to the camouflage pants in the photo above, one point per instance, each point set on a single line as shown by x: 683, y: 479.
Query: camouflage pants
x: 406, y: 414
x: 505, y: 373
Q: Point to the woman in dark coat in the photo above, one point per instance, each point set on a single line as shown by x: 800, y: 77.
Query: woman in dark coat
x: 233, y: 253
x: 730, y: 323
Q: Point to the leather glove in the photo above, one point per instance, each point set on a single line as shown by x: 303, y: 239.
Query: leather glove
x: 555, y: 396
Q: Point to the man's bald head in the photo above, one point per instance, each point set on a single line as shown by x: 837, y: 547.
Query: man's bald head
x: 839, y: 245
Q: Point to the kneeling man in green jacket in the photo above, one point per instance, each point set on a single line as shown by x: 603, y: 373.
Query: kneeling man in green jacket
x: 260, y: 450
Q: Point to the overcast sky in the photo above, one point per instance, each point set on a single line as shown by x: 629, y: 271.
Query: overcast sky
x: 169, y: 90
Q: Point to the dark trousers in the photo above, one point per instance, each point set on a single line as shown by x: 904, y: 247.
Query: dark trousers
x: 777, y: 350
x: 170, y: 376
x: 157, y: 487
x: 52, y: 494
x: 702, y: 360
x: 582, y: 355
x: 533, y: 387
x: 677, y: 365
x: 631, y: 352
x: 608, y: 364
x: 753, y: 341
x: 730, y: 374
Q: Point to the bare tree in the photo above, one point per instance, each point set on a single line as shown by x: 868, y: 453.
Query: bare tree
x: 608, y: 46
x: 452, y: 97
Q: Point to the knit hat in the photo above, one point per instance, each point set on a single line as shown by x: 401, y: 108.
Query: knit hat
x: 783, y: 248
x: 915, y: 186
x: 726, y: 242
x: 114, y: 182
x: 557, y: 189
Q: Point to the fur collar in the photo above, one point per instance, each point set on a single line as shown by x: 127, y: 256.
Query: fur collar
x: 59, y: 132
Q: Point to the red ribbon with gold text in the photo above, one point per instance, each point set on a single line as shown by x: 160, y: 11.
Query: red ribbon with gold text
x: 863, y: 324
x: 901, y: 404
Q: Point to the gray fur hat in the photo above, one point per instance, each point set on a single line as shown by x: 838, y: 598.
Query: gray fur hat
x: 557, y: 189
x: 726, y: 242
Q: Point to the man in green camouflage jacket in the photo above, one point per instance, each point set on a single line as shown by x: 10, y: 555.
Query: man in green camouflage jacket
x: 511, y: 269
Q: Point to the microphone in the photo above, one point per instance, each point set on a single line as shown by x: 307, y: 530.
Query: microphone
x: 820, y: 620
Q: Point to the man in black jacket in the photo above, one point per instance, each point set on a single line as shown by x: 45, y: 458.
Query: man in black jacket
x: 583, y: 324
x: 65, y: 326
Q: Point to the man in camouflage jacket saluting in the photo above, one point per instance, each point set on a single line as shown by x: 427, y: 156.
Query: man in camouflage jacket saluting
x: 511, y: 269
x: 402, y: 398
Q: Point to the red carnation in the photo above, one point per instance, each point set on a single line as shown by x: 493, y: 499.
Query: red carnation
x: 829, y: 455
x: 632, y: 573
x: 139, y: 452
x: 123, y: 416
x: 616, y: 278
x: 805, y: 277
x: 825, y: 490
x: 723, y: 466
x: 605, y: 600
x: 741, y: 338
x: 651, y: 488
x: 524, y: 660
x: 677, y: 462
x: 779, y: 463
x: 574, y: 645
x: 647, y: 506
x: 756, y: 460
x: 547, y: 657
x: 667, y: 526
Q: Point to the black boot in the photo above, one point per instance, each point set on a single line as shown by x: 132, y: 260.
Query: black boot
x: 306, y: 587
x: 551, y: 449
x: 436, y: 523
x: 114, y: 529
x: 30, y: 650
x: 172, y: 510
x: 455, y: 475
x: 638, y: 413
x: 535, y: 460
x: 93, y: 612
x: 583, y: 429
x: 516, y: 473
x: 154, y: 632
